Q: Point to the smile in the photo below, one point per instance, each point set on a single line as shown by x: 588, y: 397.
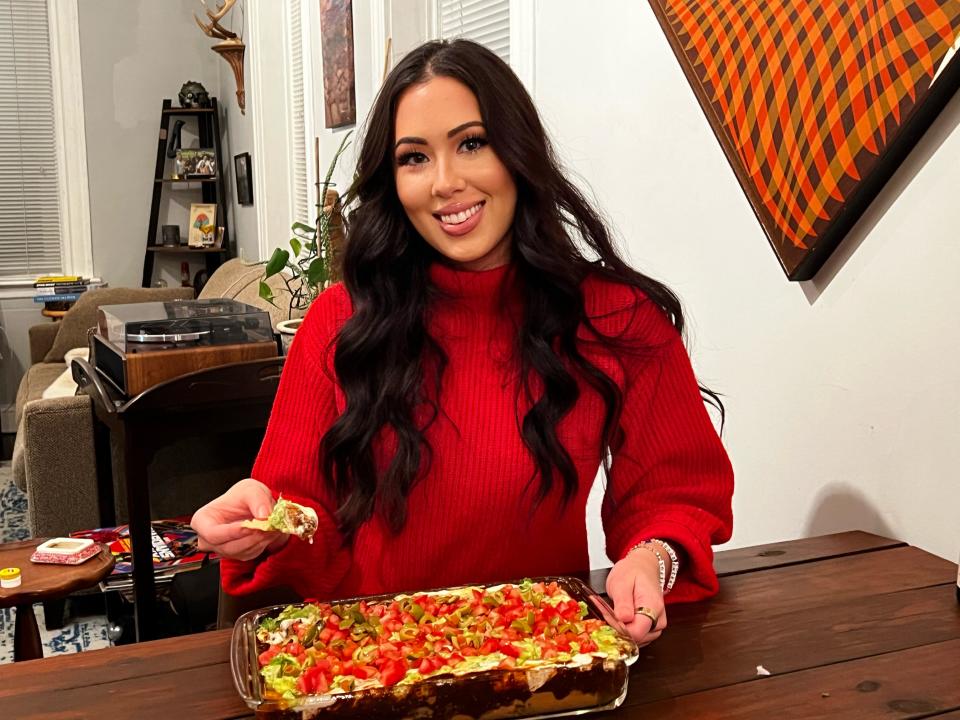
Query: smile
x: 460, y: 217
x: 463, y: 222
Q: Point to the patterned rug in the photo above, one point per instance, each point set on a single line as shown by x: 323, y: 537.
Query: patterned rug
x: 79, y: 634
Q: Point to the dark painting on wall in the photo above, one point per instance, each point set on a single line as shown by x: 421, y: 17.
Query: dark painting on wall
x: 336, y: 40
x: 815, y: 104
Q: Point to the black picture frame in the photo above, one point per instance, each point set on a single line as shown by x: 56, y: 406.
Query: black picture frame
x: 244, y: 175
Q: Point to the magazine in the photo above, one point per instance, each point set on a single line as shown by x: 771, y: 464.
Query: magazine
x: 174, y: 550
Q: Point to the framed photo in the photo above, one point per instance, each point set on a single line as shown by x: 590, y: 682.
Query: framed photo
x: 336, y: 43
x: 815, y: 104
x: 196, y: 163
x: 203, y: 225
x: 241, y: 165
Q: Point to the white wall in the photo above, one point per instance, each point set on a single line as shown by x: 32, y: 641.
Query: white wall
x: 842, y: 394
x: 237, y: 129
x: 134, y: 53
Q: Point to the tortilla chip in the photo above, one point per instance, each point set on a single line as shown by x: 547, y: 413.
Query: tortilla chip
x: 263, y: 525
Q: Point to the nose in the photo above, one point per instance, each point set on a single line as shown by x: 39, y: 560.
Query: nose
x: 447, y: 180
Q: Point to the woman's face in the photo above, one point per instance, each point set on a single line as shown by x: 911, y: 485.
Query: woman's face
x: 453, y: 187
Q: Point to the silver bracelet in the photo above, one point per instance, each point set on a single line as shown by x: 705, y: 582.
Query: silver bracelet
x: 674, y: 564
x: 661, y: 563
x: 666, y: 584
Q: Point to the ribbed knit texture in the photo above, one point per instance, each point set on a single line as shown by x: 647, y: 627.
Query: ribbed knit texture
x: 469, y: 518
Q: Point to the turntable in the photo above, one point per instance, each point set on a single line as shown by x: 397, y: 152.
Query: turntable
x: 139, y: 345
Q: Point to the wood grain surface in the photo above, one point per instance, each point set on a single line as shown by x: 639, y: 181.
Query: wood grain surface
x: 42, y: 581
x: 849, y: 626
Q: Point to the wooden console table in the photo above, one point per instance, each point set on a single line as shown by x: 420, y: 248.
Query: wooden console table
x: 231, y: 397
x: 849, y: 626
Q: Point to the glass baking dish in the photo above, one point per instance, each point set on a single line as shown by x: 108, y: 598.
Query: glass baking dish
x: 484, y: 695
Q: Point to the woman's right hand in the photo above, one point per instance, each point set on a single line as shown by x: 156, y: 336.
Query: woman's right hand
x: 219, y: 528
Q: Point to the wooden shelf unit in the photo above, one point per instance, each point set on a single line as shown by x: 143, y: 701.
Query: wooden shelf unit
x: 210, y: 190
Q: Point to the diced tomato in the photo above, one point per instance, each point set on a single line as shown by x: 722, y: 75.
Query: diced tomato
x: 348, y: 648
x: 364, y: 671
x: 489, y: 646
x: 313, y: 680
x: 392, y: 672
x: 325, y: 635
x: 267, y: 655
x: 588, y: 646
x: 509, y: 649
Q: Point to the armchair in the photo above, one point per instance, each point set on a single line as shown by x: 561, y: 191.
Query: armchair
x: 53, y: 455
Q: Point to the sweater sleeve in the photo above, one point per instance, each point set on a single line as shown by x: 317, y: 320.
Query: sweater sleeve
x: 671, y: 479
x: 289, y: 463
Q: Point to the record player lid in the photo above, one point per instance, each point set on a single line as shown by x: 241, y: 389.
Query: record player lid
x: 114, y: 321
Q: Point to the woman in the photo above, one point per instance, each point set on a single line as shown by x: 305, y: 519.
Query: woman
x: 445, y: 409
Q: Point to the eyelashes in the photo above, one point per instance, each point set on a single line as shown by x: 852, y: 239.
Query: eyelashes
x: 469, y: 144
x: 477, y: 142
x: 408, y: 158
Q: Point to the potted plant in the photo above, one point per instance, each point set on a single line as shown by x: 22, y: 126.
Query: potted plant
x: 309, y: 266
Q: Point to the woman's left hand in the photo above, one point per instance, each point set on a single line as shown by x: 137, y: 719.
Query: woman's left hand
x: 633, y: 583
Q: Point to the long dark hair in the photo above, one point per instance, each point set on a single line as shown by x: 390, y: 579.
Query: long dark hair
x: 386, y: 360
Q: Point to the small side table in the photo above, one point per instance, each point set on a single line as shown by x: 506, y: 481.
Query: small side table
x: 54, y: 314
x: 43, y: 582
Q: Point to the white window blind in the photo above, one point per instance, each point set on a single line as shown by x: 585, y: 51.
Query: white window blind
x: 484, y: 21
x: 29, y: 200
x: 300, y: 196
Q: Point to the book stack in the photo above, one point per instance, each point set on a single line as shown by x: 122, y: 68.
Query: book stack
x: 174, y: 551
x: 59, y: 292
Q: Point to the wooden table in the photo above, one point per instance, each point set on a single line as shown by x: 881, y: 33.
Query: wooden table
x: 43, y: 582
x: 849, y: 626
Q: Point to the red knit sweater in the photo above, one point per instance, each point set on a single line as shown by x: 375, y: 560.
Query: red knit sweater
x: 468, y: 518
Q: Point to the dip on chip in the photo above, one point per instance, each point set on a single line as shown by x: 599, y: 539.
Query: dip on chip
x: 290, y: 518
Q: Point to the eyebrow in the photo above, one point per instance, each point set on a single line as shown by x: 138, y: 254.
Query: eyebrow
x: 420, y: 141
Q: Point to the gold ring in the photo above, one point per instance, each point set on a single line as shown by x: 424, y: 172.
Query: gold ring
x: 648, y: 613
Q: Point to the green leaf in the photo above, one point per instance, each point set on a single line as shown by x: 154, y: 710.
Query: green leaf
x: 295, y: 246
x: 317, y: 272
x: 276, y: 263
x: 302, y: 228
x: 265, y: 292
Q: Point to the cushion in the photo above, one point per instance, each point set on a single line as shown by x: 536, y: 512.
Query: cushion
x: 65, y: 385
x: 34, y: 382
x: 83, y: 314
x: 239, y: 280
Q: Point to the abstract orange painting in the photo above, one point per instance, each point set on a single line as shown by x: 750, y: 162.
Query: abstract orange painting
x: 815, y: 103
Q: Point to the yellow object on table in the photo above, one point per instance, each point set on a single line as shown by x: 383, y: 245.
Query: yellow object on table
x: 10, y: 577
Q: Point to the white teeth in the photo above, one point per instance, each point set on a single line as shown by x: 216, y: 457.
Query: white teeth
x: 457, y: 218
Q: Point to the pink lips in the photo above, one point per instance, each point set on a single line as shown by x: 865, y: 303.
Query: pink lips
x: 466, y: 226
